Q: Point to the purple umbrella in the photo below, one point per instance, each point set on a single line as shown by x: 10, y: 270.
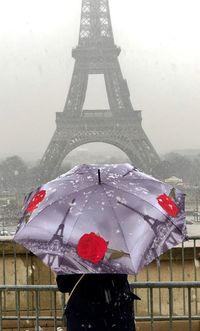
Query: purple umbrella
x: 102, y: 219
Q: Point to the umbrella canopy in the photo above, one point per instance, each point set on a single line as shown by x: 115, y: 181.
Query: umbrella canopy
x: 102, y: 219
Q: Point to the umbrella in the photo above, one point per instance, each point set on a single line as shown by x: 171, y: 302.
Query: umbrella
x: 109, y: 218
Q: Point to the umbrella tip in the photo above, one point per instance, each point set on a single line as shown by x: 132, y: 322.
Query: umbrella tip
x: 99, y: 176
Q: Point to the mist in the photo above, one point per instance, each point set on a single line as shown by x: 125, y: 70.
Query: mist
x: 159, y: 59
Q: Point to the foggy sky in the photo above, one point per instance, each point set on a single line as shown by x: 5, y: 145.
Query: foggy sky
x: 160, y: 59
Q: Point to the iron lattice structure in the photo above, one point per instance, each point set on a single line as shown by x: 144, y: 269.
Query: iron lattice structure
x: 120, y: 125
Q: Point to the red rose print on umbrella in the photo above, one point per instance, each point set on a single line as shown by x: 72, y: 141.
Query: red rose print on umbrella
x: 92, y: 247
x: 33, y: 204
x: 168, y: 205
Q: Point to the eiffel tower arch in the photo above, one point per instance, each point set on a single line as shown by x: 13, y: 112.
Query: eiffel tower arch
x: 120, y: 125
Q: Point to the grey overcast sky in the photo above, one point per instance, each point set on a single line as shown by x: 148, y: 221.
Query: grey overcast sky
x: 160, y: 59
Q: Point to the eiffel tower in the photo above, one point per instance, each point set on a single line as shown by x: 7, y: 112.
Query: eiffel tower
x: 56, y: 242
x: 120, y: 125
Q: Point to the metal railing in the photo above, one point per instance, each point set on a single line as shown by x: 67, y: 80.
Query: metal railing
x: 35, y: 317
x: 178, y: 303
x: 26, y: 309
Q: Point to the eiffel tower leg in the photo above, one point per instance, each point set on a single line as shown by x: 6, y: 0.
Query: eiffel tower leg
x: 144, y: 152
x: 117, y: 90
x: 62, y: 143
x: 77, y: 91
x: 130, y: 143
x: 52, y: 156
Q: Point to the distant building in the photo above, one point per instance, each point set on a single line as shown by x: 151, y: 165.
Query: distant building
x: 174, y: 181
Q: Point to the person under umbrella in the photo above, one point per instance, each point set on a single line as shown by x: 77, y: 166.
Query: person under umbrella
x: 98, y: 302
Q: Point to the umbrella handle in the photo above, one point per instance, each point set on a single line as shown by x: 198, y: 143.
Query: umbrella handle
x: 75, y: 286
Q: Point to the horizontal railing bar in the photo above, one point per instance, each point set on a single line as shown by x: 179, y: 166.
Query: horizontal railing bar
x: 139, y: 318
x: 166, y: 318
x: 171, y: 284
x: 192, y: 238
x: 28, y: 287
x: 32, y: 318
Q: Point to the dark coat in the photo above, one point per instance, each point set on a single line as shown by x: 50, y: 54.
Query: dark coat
x: 100, y: 302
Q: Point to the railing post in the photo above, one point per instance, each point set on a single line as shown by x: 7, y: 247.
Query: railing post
x: 170, y: 309
x: 151, y: 307
x: 1, y: 310
x: 189, y: 309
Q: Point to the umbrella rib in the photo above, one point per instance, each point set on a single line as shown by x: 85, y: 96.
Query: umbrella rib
x: 141, y: 179
x: 78, y: 193
x: 115, y: 215
x: 166, y: 216
x: 78, y: 216
x: 147, y: 177
x: 163, y: 241
x: 71, y: 194
x: 122, y: 189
